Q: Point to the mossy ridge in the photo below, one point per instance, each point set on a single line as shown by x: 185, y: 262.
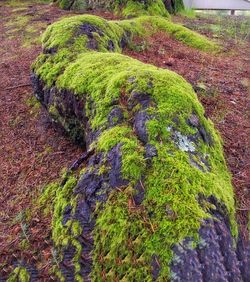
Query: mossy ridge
x: 145, y: 26
x: 66, y: 234
x: 168, y: 183
x: 65, y: 39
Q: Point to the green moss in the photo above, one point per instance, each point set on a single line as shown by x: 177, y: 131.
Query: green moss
x: 67, y: 43
x: 172, y: 184
x: 90, y: 76
x: 50, y: 67
x: 151, y: 25
x: 19, y: 274
x: 24, y: 244
x: 67, y: 33
x: 33, y: 103
x: 63, y: 235
x: 67, y: 40
x: 46, y: 200
x: 62, y: 199
x: 133, y: 164
x: 136, y: 8
x: 128, y: 236
x: 54, y: 200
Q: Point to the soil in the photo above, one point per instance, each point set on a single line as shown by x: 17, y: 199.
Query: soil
x: 33, y: 153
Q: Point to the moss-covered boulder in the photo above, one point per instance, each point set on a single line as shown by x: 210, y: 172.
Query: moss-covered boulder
x: 126, y: 8
x: 154, y: 201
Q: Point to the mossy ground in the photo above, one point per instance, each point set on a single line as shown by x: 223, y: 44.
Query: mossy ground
x: 23, y: 25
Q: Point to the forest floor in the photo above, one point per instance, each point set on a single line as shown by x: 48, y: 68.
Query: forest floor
x: 33, y: 153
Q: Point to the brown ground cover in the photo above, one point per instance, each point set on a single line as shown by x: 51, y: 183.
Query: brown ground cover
x: 33, y: 153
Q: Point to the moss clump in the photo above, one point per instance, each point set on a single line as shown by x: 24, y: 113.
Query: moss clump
x: 65, y: 234
x: 19, y: 274
x: 74, y: 31
x: 133, y: 164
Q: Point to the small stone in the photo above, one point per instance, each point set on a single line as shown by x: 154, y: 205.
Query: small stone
x: 194, y: 120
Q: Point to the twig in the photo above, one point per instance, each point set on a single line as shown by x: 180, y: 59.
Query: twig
x: 18, y: 86
x: 77, y: 164
x: 82, y: 158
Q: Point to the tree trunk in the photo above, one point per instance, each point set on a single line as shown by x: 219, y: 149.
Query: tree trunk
x: 174, y: 6
x: 154, y: 200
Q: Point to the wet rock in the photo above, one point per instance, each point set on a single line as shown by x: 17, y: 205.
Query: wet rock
x: 139, y: 195
x: 115, y: 116
x: 141, y: 119
x: 67, y: 266
x: 194, y: 121
x: 89, y: 29
x: 66, y: 214
x: 111, y: 46
x: 151, y: 151
x: 115, y: 175
x: 155, y: 267
x: 136, y: 98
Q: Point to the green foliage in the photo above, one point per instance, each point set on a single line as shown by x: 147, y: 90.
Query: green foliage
x: 232, y: 28
x: 126, y: 8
